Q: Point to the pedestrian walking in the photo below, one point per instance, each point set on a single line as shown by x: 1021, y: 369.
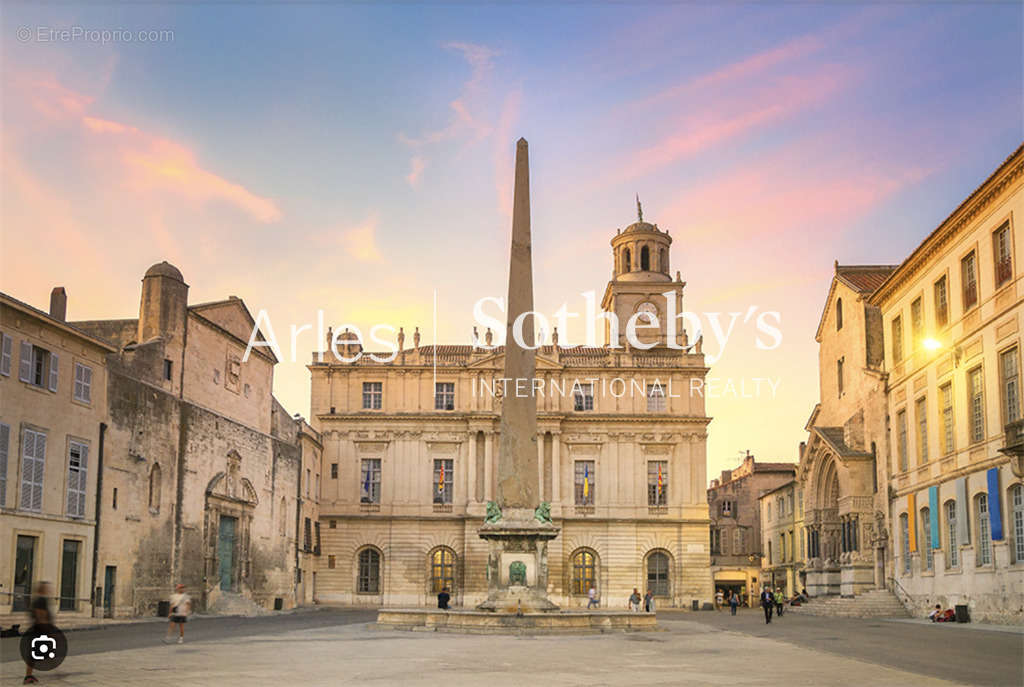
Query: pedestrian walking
x: 649, y: 601
x: 719, y: 597
x: 592, y: 596
x: 181, y: 609
x: 767, y: 603
x: 734, y: 601
x: 42, y: 622
x: 634, y: 601
x: 780, y: 601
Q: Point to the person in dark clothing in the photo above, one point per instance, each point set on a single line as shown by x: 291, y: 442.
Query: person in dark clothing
x: 443, y: 598
x: 734, y: 601
x: 42, y: 619
x: 767, y: 603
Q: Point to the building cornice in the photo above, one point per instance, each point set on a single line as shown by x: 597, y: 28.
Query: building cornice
x: 1008, y: 172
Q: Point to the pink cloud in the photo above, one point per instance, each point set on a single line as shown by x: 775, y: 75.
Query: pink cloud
x: 416, y: 166
x: 361, y: 241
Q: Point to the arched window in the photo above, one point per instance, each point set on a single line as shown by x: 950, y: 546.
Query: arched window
x: 1017, y: 504
x: 839, y: 314
x: 442, y: 570
x: 626, y: 267
x: 926, y: 537
x: 663, y: 261
x: 155, y: 477
x: 905, y: 540
x: 658, y: 573
x: 369, y: 572
x: 952, y: 546
x: 584, y: 571
x: 645, y: 258
x: 984, y: 533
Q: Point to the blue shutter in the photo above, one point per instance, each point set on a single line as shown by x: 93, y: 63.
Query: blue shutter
x: 995, y: 511
x: 6, y: 349
x: 933, y: 516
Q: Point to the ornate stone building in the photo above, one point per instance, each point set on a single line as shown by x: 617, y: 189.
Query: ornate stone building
x: 410, y: 447
x: 952, y: 314
x: 736, y: 524
x: 199, y: 467
x: 783, y: 541
x: 843, y: 484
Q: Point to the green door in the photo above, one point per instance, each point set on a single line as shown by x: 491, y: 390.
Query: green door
x: 69, y: 576
x: 226, y: 551
x: 24, y: 564
x: 109, y: 587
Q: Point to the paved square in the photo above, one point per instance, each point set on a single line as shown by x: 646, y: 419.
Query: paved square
x: 313, y: 649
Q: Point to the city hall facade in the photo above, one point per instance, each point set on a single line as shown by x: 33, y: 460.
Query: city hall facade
x: 410, y: 450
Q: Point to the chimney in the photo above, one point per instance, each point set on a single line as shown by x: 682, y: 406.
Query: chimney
x: 58, y: 303
x: 726, y: 476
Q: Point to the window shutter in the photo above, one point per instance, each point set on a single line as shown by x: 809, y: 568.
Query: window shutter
x: 5, y: 438
x: 37, y: 487
x: 54, y: 369
x: 25, y: 364
x: 33, y: 456
x: 6, y: 349
x: 87, y: 381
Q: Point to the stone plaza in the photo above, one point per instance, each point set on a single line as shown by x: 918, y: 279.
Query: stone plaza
x: 342, y: 646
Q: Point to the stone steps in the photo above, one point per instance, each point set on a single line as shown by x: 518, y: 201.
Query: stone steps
x: 877, y: 603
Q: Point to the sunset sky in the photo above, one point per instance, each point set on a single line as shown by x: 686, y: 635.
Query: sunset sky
x: 355, y: 159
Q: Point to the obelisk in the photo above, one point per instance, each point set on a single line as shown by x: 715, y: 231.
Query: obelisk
x: 517, y: 455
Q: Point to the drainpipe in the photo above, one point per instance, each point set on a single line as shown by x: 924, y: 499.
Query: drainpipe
x: 99, y: 505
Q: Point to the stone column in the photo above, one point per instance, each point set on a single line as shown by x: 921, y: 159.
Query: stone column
x: 556, y: 468
x: 471, y: 469
x: 540, y: 467
x: 488, y: 466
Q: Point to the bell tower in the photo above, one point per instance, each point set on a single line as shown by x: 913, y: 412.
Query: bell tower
x: 640, y: 275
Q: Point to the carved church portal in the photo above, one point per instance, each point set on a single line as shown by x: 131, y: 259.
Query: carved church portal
x: 230, y: 505
x: 226, y: 552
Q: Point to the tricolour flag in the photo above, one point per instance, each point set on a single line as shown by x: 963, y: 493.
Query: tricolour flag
x: 659, y: 479
x: 440, y: 479
x: 586, y: 481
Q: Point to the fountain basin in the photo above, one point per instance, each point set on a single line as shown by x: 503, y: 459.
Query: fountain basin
x: 489, y: 622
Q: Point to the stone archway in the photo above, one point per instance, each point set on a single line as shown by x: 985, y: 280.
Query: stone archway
x: 839, y: 515
x: 230, y: 504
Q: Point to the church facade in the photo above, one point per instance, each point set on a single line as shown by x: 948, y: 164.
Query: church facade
x: 410, y: 449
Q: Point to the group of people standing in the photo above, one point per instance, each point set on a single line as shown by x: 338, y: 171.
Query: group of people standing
x: 635, y: 601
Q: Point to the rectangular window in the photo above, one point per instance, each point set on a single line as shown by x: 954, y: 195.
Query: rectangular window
x: 655, y: 398
x: 38, y: 366
x: 984, y: 533
x: 737, y: 541
x: 727, y: 507
x: 78, y: 463
x: 69, y: 575
x: 839, y: 375
x: 901, y: 438
x: 897, y: 340
x: 1017, y: 504
x: 309, y: 478
x: 941, y: 303
x: 926, y: 539
x: 584, y: 482
x: 921, y: 409
x: 976, y: 404
x: 767, y: 510
x: 373, y: 395
x: 657, y: 483
x: 168, y: 368
x: 444, y: 396
x: 716, y: 541
x: 583, y: 395
x: 33, y: 460
x: 330, y: 562
x: 307, y: 535
x: 370, y: 485
x: 946, y: 399
x: 443, y: 474
x: 6, y: 353
x: 1001, y: 249
x: 969, y: 279
x: 334, y: 471
x: 952, y: 548
x: 316, y: 537
x: 83, y: 383
x: 916, y: 322
x: 1011, y: 385
x: 5, y: 440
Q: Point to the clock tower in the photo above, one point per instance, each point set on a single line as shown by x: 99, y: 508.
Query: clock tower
x: 640, y: 277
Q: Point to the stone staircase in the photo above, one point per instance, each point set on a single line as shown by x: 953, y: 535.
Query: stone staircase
x: 230, y: 603
x: 877, y: 603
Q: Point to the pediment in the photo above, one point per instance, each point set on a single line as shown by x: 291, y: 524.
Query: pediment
x: 497, y: 361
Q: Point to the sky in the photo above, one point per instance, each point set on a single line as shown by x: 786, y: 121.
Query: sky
x: 358, y: 159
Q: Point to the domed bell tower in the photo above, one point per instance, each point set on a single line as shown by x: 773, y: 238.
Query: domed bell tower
x: 640, y: 275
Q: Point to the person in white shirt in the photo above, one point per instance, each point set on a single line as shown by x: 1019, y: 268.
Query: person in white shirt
x: 181, y: 608
x: 592, y: 603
